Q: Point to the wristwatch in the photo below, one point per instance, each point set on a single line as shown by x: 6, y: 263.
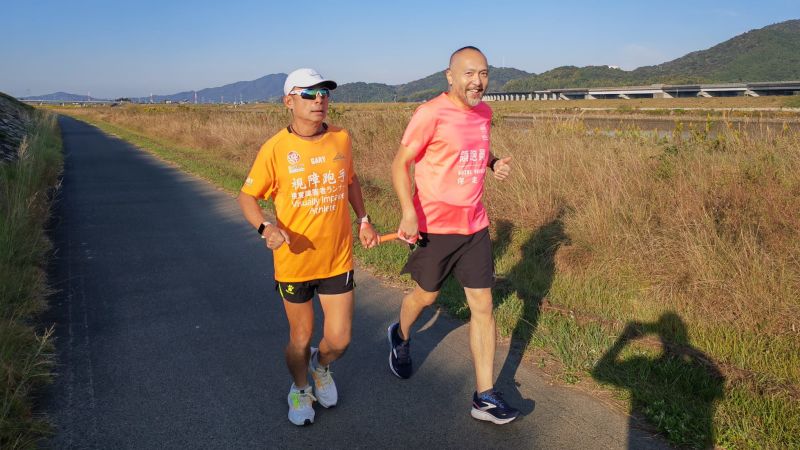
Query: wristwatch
x: 263, y: 227
x: 364, y: 219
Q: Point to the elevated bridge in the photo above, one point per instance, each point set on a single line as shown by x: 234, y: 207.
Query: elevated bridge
x: 654, y: 91
x: 68, y: 102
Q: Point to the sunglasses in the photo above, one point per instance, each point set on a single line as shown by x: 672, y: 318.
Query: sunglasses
x: 311, y: 94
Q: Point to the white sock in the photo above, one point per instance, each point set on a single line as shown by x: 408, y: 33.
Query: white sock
x: 297, y: 389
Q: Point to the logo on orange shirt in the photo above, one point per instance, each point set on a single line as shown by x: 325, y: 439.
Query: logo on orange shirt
x: 294, y: 157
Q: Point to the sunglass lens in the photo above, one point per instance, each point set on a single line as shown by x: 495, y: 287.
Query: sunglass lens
x: 311, y: 94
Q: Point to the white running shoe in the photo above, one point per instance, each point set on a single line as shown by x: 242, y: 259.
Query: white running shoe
x: 301, y: 411
x: 324, y: 387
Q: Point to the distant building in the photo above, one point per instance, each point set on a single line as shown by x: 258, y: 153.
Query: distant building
x: 613, y: 67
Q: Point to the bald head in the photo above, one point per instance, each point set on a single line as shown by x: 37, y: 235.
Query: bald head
x: 468, y: 76
x: 463, y: 50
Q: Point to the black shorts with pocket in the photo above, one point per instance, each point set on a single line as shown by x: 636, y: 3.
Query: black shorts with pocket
x: 303, y: 291
x: 468, y: 257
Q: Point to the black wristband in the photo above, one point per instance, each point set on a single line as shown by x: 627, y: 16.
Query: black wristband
x: 492, y: 163
x: 262, y: 227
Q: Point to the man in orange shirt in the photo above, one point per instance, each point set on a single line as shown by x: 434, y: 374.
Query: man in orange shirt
x: 447, y: 139
x: 307, y: 170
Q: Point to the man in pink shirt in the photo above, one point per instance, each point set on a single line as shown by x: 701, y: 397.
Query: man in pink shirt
x: 447, y: 139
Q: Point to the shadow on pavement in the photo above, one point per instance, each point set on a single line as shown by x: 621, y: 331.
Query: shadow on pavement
x: 530, y: 279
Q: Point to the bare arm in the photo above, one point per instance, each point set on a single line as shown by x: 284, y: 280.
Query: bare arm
x: 366, y: 232
x: 274, y: 236
x: 401, y: 179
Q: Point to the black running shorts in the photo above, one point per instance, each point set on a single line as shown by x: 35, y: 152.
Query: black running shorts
x: 468, y: 257
x: 303, y: 291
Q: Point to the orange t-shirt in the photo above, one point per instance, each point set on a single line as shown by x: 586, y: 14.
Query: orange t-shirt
x: 308, y: 182
x: 452, y: 147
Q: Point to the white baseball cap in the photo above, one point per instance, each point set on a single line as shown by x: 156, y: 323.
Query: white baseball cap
x: 304, y: 78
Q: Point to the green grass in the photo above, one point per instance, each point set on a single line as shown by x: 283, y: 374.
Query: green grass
x: 25, y: 350
x: 792, y: 102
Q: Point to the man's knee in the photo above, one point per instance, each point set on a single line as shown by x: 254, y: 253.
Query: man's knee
x: 337, y: 343
x: 300, y: 337
x: 422, y: 297
x: 480, y: 303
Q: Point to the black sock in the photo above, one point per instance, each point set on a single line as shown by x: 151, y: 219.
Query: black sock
x: 400, y: 333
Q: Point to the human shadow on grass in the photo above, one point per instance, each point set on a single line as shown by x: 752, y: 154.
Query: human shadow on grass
x: 519, y: 294
x: 677, y: 391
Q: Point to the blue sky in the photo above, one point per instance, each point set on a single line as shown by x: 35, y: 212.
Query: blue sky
x: 135, y: 48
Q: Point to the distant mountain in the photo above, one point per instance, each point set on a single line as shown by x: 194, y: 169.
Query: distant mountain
x: 61, y: 97
x: 365, y: 92
x: 417, y: 90
x: 266, y: 88
x: 771, y: 53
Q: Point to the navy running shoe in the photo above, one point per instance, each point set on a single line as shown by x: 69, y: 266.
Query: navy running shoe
x: 492, y: 408
x: 399, y: 353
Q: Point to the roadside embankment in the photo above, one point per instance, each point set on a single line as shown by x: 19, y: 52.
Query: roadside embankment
x: 30, y: 166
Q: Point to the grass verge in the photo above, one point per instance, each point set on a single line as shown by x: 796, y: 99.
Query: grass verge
x: 25, y: 349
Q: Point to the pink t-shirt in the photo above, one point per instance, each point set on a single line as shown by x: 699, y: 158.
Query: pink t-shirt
x: 452, y: 149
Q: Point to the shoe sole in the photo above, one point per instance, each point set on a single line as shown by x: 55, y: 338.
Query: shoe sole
x: 391, y: 350
x: 324, y: 405
x: 487, y: 417
x: 306, y: 423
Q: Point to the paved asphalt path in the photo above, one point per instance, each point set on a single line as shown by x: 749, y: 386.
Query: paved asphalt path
x: 170, y: 335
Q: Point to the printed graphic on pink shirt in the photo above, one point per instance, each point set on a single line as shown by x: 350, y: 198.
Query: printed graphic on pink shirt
x: 452, y: 146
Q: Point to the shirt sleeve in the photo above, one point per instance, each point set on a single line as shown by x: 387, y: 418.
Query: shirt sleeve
x: 261, y: 181
x: 420, y: 130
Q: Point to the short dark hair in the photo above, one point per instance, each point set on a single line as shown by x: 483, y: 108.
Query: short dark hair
x: 468, y: 47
